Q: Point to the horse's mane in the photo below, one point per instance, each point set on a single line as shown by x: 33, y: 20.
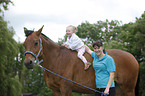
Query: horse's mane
x: 29, y: 32
x: 64, y: 49
x: 45, y: 37
x: 48, y: 39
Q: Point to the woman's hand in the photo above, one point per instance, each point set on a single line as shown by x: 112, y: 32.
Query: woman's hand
x: 111, y: 78
x: 106, y: 91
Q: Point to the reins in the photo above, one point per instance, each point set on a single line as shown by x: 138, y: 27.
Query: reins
x: 38, y: 63
x: 102, y: 93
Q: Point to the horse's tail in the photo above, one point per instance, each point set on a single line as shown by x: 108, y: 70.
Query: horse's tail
x: 137, y: 86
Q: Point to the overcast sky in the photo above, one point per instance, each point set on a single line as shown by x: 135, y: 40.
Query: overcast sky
x: 56, y: 15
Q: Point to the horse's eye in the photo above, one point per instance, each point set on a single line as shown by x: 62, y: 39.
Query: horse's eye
x: 36, y: 43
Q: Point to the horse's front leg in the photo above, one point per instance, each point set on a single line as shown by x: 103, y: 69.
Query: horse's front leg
x: 66, y: 89
x: 56, y: 93
x: 49, y: 83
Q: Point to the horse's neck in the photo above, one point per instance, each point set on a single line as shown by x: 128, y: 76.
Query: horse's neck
x: 50, y: 52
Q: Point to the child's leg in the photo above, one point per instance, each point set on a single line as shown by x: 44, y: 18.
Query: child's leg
x: 81, y: 51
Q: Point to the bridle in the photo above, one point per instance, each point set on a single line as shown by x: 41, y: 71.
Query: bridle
x: 36, y: 56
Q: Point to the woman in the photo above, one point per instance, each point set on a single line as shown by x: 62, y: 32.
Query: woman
x: 104, y: 67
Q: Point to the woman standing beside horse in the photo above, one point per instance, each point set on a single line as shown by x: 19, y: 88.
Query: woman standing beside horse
x: 104, y: 67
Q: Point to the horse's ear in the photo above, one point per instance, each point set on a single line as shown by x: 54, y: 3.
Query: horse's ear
x: 27, y: 32
x: 25, y: 29
x: 39, y: 31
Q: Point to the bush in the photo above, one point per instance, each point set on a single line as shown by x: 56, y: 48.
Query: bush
x: 142, y: 79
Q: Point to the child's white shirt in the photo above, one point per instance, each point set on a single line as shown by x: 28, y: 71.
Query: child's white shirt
x: 74, y: 42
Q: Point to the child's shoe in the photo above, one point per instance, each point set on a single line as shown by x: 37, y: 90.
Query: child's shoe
x: 87, y: 66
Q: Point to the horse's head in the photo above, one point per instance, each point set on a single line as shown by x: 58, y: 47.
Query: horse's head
x: 33, y: 47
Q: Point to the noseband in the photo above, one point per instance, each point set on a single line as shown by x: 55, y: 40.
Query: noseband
x: 36, y: 56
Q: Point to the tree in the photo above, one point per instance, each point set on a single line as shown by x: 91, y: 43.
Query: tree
x: 132, y: 36
x: 34, y: 82
x: 102, y: 30
x: 142, y: 79
x: 9, y: 80
x: 138, y: 48
x: 4, y: 5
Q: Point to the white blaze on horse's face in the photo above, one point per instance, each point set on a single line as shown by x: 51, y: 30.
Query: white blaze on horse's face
x: 32, y: 46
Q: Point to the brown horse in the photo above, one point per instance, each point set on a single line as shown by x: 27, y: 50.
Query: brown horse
x: 66, y: 63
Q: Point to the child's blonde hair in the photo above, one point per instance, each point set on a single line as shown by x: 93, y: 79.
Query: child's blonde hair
x: 74, y: 28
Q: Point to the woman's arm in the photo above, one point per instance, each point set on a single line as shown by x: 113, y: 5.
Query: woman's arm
x: 111, y: 78
x: 88, y: 49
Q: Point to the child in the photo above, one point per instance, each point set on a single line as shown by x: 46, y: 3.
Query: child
x: 75, y: 43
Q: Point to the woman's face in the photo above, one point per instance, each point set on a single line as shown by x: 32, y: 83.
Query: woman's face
x: 98, y: 50
x: 69, y: 31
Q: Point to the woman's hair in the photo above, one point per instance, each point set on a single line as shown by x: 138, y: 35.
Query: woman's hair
x: 99, y: 44
x: 74, y: 28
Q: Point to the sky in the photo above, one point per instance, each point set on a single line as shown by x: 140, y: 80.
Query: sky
x: 56, y: 15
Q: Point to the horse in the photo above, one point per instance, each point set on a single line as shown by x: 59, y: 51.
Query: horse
x: 65, y: 62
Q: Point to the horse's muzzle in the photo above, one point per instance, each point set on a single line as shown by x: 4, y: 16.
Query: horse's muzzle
x: 29, y: 64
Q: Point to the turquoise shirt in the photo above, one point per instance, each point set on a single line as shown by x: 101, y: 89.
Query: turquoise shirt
x: 102, y: 68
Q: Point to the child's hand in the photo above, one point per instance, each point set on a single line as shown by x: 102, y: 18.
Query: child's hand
x: 63, y: 44
x: 67, y: 47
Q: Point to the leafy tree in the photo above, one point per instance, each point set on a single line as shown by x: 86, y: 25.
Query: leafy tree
x: 20, y: 61
x: 34, y: 82
x: 114, y: 44
x: 138, y: 48
x: 142, y: 78
x: 132, y: 36
x: 139, y: 38
x: 4, y: 5
x: 9, y: 81
x: 102, y: 30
